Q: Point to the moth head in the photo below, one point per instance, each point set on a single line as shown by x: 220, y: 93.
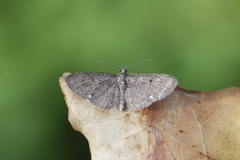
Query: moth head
x: 123, y: 70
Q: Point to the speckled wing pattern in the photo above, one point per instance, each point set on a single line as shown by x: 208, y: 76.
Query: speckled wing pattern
x: 100, y: 88
x: 144, y: 89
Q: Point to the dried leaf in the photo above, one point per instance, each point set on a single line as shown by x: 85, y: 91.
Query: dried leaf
x: 184, y: 125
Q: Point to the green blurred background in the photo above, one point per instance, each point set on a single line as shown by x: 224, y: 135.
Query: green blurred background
x: 196, y: 41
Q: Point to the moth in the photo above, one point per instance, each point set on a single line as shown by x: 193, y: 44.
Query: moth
x: 135, y: 91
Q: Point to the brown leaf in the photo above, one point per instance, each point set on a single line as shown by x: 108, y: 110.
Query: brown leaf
x: 185, y: 125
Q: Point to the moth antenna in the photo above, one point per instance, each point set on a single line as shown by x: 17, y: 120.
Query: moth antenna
x: 109, y: 63
x: 138, y: 62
